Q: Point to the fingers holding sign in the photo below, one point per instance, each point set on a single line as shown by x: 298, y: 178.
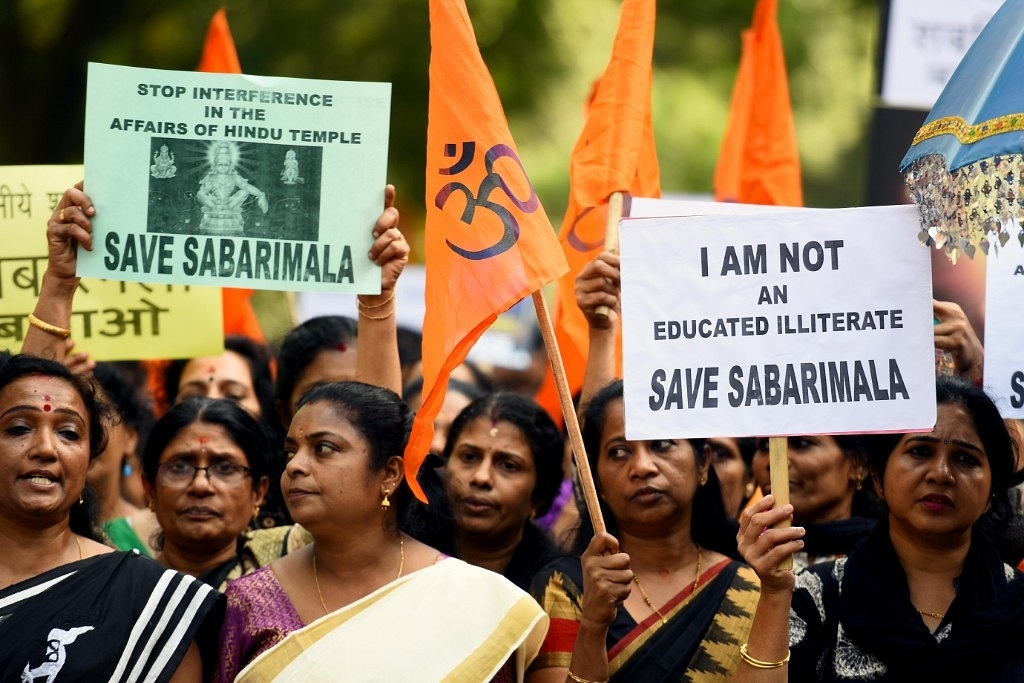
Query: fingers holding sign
x: 954, y: 333
x: 70, y: 225
x: 606, y: 580
x: 597, y: 291
x: 764, y: 547
x: 390, y: 250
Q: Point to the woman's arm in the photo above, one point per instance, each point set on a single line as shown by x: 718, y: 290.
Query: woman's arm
x: 606, y: 584
x: 191, y: 668
x: 69, y: 226
x: 377, y: 360
x: 597, y: 286
x: 764, y: 548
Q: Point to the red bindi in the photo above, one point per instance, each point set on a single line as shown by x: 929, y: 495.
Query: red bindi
x: 342, y: 348
x: 46, y: 407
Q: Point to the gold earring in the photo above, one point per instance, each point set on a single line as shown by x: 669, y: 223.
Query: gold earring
x: 255, y: 513
x: 385, y: 504
x: 81, y: 500
x: 703, y: 479
x: 860, y: 484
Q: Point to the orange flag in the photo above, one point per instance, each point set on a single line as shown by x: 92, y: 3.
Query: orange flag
x: 220, y: 56
x: 488, y: 241
x: 759, y: 162
x: 614, y: 153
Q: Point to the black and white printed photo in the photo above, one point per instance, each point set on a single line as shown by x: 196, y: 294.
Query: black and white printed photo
x: 238, y: 189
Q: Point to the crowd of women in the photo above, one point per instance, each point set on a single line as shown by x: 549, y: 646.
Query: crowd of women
x: 260, y: 529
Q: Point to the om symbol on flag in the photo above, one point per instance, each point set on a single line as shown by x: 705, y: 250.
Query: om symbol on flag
x: 576, y: 241
x: 482, y: 199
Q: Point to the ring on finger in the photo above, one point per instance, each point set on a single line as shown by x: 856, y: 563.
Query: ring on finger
x: 60, y: 216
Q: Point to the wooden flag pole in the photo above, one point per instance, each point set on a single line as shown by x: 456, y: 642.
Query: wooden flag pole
x: 779, y: 468
x: 572, y: 423
x: 611, y: 233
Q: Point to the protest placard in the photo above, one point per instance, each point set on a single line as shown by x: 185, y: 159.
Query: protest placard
x: 791, y: 321
x: 1004, y: 353
x: 233, y: 180
x: 111, y: 320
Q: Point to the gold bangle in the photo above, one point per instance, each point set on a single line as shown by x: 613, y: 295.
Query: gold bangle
x: 757, y: 663
x: 583, y: 680
x: 380, y: 305
x: 377, y: 317
x: 61, y: 332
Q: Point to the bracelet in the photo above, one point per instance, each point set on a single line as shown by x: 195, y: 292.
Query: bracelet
x: 583, y: 680
x: 61, y: 332
x: 380, y: 305
x: 757, y: 663
x: 377, y: 317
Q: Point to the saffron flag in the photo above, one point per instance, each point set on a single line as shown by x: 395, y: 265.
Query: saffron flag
x: 614, y: 153
x: 220, y: 56
x: 759, y: 162
x: 488, y: 241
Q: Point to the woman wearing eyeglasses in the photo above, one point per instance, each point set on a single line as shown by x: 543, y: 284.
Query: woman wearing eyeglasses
x: 205, y: 470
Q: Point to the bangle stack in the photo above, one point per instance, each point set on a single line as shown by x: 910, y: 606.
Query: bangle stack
x: 61, y: 332
x: 363, y: 308
x: 757, y: 663
x: 583, y: 680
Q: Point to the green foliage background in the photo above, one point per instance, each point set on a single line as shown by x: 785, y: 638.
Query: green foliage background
x: 543, y: 55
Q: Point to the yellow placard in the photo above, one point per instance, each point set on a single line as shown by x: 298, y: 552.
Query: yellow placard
x: 110, y: 320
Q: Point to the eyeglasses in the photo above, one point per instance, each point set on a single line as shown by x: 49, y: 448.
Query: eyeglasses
x: 180, y: 473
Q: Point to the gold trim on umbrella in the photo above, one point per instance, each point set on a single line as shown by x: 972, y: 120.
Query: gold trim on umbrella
x: 968, y: 133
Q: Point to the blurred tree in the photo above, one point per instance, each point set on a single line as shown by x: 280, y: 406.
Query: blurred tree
x: 543, y: 55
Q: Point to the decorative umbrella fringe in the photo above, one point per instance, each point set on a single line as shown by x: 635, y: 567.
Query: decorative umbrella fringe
x: 961, y: 210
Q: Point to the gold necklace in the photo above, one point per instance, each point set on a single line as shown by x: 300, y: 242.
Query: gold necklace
x: 934, y: 615
x: 401, y: 568
x: 647, y: 600
x: 79, y: 544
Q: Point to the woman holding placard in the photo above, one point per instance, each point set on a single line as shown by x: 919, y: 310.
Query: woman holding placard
x: 926, y: 596
x: 657, y: 597
x: 71, y: 226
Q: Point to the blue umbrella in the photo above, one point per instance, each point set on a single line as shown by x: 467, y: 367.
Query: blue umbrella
x: 964, y: 167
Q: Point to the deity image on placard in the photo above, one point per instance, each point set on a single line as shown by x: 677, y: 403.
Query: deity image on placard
x: 235, y: 189
x: 163, y: 164
x: 222, y: 192
x: 290, y: 174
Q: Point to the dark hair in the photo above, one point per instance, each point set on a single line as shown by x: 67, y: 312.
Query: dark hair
x: 303, y: 343
x: 747, y: 446
x: 16, y: 367
x: 865, y: 502
x: 127, y: 403
x: 246, y: 431
x: 410, y: 346
x: 1000, y: 448
x: 258, y: 358
x: 377, y: 414
x: 710, y: 527
x: 415, y: 388
x: 538, y: 429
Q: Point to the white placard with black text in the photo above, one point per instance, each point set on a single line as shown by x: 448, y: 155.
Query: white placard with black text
x: 776, y: 323
x: 1004, y: 352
